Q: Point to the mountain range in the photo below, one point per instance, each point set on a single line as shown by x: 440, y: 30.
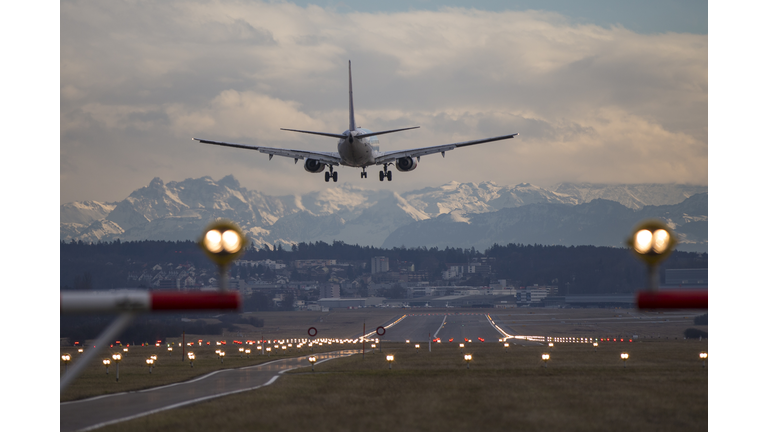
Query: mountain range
x: 454, y: 214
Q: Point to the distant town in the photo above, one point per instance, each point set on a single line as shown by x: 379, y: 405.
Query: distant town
x: 319, y: 276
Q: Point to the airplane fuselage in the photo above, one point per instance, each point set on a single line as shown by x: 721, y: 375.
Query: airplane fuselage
x: 357, y: 152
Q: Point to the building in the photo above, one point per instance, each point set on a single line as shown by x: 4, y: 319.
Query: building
x: 330, y: 290
x: 379, y: 264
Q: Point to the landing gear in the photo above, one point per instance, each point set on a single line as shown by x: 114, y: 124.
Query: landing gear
x: 385, y: 173
x: 331, y: 175
x: 363, y: 174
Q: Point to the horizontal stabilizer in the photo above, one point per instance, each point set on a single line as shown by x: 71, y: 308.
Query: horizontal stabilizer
x: 328, y: 134
x: 384, y: 132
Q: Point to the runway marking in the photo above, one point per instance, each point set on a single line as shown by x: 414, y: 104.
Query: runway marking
x: 197, y: 400
x: 441, y: 326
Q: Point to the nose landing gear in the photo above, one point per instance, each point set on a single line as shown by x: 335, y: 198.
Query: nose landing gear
x: 363, y: 174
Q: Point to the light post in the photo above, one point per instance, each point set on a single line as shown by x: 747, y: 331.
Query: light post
x: 223, y: 242
x: 551, y: 344
x: 261, y: 351
x: 247, y: 353
x: 625, y: 357
x: 312, y: 359
x: 595, y: 345
x: 467, y: 358
x: 150, y: 363
x: 703, y: 356
x: 545, y: 358
x: 417, y: 348
x: 390, y: 359
x: 125, y: 351
x: 652, y: 241
x: 242, y: 350
x: 506, y: 346
x: 116, y: 358
x: 170, y: 350
x: 269, y: 351
x: 79, y: 350
x: 461, y: 345
x: 66, y: 358
x: 373, y: 348
x: 106, y: 364
x: 221, y: 356
x: 191, y: 357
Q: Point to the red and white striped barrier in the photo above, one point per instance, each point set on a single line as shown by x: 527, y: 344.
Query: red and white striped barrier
x: 145, y: 301
x: 697, y: 299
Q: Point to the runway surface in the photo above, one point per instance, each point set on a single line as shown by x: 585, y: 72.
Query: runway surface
x: 104, y: 410
x: 419, y: 327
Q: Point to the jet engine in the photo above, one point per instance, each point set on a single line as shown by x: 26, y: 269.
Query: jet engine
x: 314, y: 166
x: 405, y: 164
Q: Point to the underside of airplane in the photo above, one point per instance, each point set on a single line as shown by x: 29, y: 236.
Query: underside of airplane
x: 358, y: 148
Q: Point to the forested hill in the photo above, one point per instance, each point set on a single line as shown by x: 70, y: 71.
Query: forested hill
x: 579, y: 269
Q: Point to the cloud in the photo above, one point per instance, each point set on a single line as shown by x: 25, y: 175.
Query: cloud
x: 591, y: 103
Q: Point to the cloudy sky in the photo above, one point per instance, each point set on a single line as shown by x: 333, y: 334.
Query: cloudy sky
x: 602, y: 93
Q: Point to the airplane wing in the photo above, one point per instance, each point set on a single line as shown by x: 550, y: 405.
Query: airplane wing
x: 392, y: 156
x: 330, y: 158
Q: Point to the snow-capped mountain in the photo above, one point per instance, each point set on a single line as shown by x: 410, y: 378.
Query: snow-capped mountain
x: 181, y: 210
x: 599, y: 222
x: 633, y: 196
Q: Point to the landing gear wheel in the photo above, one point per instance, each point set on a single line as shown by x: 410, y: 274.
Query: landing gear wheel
x: 335, y: 177
x: 389, y: 175
x: 363, y: 174
x: 327, y: 176
x: 381, y: 175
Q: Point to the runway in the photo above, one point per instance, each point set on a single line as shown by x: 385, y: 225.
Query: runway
x: 101, y: 411
x: 420, y: 327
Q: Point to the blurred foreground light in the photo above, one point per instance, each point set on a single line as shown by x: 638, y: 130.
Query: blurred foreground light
x: 222, y: 241
x: 652, y: 241
x: 703, y: 355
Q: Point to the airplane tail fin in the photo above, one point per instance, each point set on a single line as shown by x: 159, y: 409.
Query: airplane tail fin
x: 351, y: 104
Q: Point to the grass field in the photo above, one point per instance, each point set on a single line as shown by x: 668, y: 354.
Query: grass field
x: 663, y: 387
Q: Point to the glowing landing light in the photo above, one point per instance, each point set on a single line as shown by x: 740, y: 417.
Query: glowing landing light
x: 467, y: 358
x: 390, y: 359
x: 625, y: 357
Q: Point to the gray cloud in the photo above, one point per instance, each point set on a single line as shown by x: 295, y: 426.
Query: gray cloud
x: 591, y: 103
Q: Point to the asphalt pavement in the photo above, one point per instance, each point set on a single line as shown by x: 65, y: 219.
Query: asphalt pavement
x: 101, y: 411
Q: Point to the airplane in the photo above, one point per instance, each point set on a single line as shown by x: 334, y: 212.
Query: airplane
x: 358, y: 148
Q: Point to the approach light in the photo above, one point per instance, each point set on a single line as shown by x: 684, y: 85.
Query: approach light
x: 545, y: 358
x: 66, y: 358
x: 116, y: 358
x: 312, y: 360
x: 703, y: 356
x: 625, y: 357
x: 467, y: 358
x: 106, y: 363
